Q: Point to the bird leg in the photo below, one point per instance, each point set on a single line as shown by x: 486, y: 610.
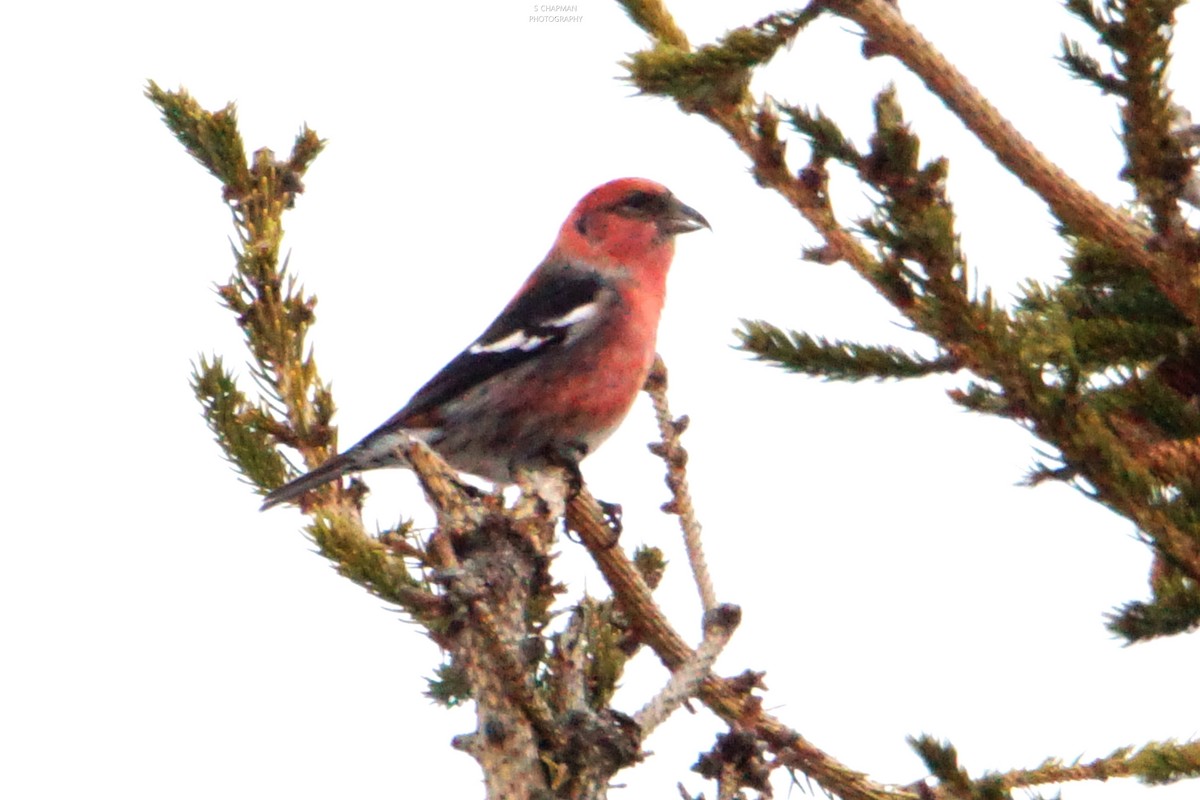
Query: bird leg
x: 567, y: 458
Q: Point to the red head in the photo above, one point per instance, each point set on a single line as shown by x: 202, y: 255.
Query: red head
x: 629, y: 222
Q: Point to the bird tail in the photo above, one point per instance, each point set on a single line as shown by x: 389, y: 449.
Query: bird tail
x: 331, y: 470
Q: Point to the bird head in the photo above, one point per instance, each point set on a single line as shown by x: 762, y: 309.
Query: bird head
x: 630, y: 219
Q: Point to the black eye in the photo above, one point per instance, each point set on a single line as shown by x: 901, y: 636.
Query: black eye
x: 641, y: 201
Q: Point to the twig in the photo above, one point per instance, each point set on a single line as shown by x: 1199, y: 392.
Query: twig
x: 719, y: 626
x: 675, y: 457
x: 1100, y: 769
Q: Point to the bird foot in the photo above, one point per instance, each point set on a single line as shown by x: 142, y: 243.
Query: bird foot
x: 613, y: 516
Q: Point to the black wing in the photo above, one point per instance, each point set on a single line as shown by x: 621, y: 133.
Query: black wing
x: 533, y: 323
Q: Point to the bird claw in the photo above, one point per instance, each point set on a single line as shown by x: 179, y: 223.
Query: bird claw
x: 568, y: 460
x: 470, y: 490
x: 613, y: 516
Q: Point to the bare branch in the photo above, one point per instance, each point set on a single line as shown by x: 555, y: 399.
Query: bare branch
x: 719, y: 625
x: 671, y: 451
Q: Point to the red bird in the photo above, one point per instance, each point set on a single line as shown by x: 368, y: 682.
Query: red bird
x: 555, y: 374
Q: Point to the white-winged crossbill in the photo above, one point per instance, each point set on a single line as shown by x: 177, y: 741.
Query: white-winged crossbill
x: 555, y: 374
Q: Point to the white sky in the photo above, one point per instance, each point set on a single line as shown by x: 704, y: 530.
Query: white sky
x: 161, y: 638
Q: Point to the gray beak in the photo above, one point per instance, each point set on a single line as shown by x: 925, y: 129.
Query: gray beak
x: 681, y: 218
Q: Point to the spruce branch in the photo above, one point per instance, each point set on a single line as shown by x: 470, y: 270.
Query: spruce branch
x: 242, y: 430
x: 1160, y: 763
x: 1155, y: 763
x: 823, y: 135
x: 212, y: 138
x: 710, y: 76
x: 1081, y: 211
x: 1050, y: 364
x: 274, y: 316
x: 1175, y: 607
x: 1139, y: 35
x: 1085, y: 67
x: 373, y: 564
x: 820, y: 357
x: 1081, y: 364
x: 652, y: 15
x: 273, y: 313
x: 1086, y: 12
